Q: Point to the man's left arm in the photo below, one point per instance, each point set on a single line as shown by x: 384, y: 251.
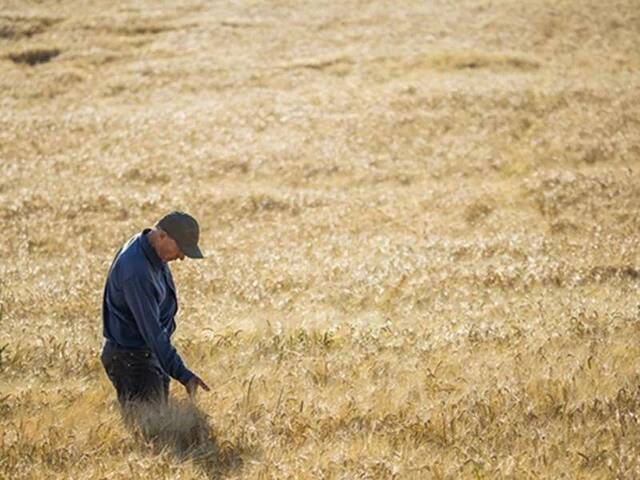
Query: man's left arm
x: 140, y: 297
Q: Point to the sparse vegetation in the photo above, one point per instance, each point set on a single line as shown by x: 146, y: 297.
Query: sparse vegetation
x: 420, y: 219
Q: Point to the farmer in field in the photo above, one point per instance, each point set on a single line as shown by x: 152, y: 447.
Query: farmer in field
x: 138, y: 312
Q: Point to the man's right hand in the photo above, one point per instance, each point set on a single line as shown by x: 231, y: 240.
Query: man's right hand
x: 193, y: 384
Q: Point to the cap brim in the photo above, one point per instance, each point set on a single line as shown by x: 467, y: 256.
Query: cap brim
x: 192, y: 251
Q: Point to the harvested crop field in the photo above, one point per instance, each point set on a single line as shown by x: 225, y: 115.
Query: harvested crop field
x: 421, y: 223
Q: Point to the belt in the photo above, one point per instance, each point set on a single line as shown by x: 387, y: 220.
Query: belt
x: 111, y: 345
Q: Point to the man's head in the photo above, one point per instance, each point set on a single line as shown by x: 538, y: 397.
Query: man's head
x: 176, y: 236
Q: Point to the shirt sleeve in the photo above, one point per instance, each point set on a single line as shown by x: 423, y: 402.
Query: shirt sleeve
x: 139, y: 295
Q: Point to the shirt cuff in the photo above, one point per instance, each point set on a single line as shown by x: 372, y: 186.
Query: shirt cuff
x: 185, y: 376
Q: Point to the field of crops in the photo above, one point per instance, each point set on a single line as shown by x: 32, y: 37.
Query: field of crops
x: 421, y: 221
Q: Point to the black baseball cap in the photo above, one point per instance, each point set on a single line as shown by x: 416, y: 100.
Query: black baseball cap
x: 184, y: 229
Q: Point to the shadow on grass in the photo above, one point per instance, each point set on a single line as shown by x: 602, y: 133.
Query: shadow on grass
x: 183, y: 430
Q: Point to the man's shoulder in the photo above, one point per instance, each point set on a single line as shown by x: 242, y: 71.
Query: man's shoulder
x: 131, y: 260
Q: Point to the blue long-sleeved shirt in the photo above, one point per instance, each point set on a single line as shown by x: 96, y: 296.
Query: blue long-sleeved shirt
x: 140, y: 304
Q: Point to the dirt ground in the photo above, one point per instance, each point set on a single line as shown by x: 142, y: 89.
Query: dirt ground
x: 420, y: 221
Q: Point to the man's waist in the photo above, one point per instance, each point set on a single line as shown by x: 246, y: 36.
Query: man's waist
x: 112, y: 345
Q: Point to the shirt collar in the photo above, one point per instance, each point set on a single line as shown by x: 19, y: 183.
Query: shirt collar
x: 149, y: 251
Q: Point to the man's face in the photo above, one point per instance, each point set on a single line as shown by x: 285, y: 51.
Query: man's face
x: 168, y: 249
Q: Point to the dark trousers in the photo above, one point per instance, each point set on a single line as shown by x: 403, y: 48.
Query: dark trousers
x: 135, y: 373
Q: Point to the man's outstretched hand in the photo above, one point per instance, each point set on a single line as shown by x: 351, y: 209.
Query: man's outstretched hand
x: 193, y: 384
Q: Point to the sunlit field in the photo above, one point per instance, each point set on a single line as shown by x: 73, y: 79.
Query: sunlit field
x: 421, y: 221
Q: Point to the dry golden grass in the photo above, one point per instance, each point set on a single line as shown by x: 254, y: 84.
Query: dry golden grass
x: 421, y: 221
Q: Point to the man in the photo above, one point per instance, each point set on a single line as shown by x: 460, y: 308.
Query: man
x: 138, y: 312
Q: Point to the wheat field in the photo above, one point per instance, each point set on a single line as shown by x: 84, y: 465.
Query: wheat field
x: 421, y: 222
